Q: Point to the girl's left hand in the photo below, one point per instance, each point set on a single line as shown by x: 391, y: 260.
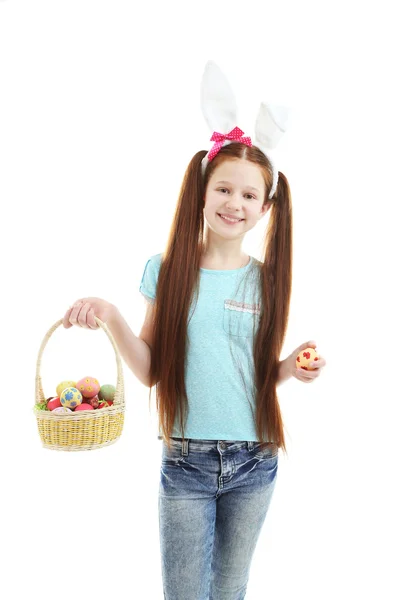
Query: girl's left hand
x: 289, y: 365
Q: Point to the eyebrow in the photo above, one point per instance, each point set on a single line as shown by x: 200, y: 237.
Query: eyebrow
x: 246, y: 186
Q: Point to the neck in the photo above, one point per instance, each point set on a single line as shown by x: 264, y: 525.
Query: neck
x: 221, y: 262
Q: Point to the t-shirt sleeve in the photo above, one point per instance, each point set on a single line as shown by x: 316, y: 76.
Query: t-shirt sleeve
x: 148, y: 285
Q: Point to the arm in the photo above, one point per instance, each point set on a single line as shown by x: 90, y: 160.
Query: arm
x: 135, y: 351
x: 284, y: 372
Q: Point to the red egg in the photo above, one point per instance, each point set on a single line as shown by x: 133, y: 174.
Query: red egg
x: 84, y: 406
x: 54, y: 403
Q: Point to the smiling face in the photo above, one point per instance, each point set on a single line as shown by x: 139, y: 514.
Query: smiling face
x: 236, y: 187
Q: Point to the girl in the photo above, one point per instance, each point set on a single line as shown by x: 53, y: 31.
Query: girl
x: 210, y: 344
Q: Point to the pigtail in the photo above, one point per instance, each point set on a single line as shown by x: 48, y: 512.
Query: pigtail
x: 177, y: 282
x: 276, y: 286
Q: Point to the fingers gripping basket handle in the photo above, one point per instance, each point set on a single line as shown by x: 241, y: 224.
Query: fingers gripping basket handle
x: 119, y: 390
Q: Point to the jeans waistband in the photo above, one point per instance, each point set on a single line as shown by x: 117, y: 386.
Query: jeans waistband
x: 222, y: 444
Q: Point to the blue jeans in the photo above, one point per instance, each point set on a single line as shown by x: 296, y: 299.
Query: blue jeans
x: 213, y: 499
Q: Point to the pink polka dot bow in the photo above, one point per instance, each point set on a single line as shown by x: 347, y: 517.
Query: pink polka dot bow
x: 236, y: 135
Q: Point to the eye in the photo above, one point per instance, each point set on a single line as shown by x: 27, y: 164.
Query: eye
x: 220, y: 189
x: 251, y: 196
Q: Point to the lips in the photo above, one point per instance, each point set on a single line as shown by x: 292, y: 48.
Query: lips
x: 235, y: 218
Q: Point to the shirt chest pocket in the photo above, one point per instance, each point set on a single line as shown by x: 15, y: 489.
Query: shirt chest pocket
x: 241, y: 318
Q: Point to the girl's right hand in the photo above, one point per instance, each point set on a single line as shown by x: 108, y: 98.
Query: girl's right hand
x: 83, y: 311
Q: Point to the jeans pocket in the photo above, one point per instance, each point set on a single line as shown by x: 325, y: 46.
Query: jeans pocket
x: 171, y: 456
x: 240, y: 318
x: 264, y: 450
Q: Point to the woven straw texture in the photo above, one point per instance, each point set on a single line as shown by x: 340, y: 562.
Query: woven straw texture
x: 85, y: 429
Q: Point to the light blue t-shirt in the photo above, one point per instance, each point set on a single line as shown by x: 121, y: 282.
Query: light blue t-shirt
x: 219, y: 375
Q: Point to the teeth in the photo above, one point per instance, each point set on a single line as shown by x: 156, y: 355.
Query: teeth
x: 232, y: 220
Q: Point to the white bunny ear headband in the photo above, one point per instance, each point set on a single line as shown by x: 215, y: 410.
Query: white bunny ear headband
x: 218, y: 105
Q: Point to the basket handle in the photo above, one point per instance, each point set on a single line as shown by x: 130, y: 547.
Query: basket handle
x: 119, y: 395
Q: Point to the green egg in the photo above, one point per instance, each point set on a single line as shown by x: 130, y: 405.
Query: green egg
x: 107, y: 392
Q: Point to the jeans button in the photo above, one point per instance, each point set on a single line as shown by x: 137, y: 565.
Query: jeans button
x: 222, y: 445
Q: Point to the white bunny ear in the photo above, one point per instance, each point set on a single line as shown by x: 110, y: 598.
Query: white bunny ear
x: 271, y: 124
x: 218, y: 102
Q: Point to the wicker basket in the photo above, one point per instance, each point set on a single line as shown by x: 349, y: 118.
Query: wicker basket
x: 85, y: 429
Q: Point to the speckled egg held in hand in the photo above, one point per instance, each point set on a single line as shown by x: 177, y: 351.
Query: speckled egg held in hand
x: 305, y: 357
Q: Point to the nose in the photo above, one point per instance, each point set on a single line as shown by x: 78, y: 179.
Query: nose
x: 235, y: 201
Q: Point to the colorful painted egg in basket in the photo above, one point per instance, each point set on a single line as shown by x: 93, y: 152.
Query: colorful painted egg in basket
x: 61, y: 409
x: 107, y: 392
x: 71, y: 397
x: 88, y: 387
x: 54, y: 403
x: 84, y: 406
x: 63, y: 385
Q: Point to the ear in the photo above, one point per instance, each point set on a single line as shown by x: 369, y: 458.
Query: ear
x: 265, y: 209
x: 218, y: 102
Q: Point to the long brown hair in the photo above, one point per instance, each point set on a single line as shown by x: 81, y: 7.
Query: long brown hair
x: 178, y: 280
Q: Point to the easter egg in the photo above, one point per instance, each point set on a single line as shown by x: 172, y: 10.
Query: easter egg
x: 84, y: 406
x: 305, y: 357
x: 88, y: 387
x: 64, y: 384
x: 107, y: 392
x: 61, y: 409
x: 54, y: 403
x: 94, y: 401
x: 71, y: 397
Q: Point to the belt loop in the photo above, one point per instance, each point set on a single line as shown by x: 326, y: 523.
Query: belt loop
x: 185, y: 447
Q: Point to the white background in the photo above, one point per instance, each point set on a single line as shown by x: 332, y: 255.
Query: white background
x: 99, y: 117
